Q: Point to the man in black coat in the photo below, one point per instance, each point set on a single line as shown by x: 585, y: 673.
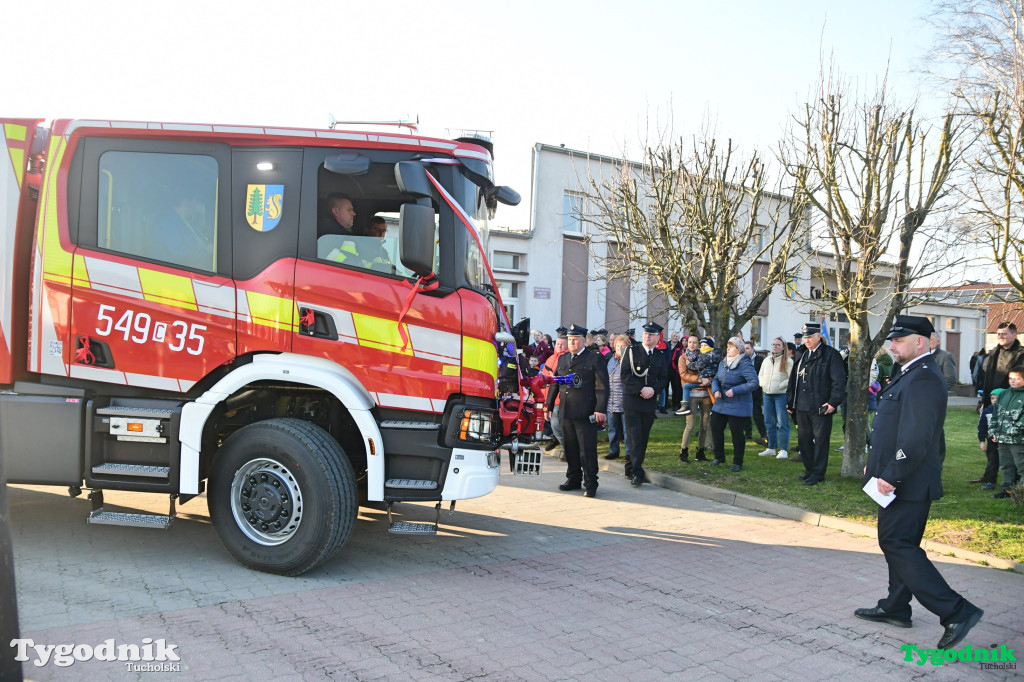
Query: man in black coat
x: 583, y: 405
x: 1007, y: 353
x: 644, y: 376
x: 907, y: 450
x: 817, y: 387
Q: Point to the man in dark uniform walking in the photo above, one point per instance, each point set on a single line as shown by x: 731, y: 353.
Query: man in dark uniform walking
x: 817, y: 387
x: 644, y: 377
x: 907, y: 449
x: 583, y: 405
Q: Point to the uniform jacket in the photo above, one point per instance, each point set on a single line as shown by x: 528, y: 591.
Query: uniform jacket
x: 1007, y: 424
x: 907, y: 442
x: 743, y: 382
x: 772, y: 379
x: 592, y: 394
x: 944, y: 359
x: 825, y: 380
x: 635, y: 362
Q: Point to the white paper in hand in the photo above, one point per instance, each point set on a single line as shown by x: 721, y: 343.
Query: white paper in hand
x: 871, y: 488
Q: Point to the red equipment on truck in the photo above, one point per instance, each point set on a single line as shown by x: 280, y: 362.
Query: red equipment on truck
x: 195, y: 307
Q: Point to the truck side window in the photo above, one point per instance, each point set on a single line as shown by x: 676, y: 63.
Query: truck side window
x: 160, y: 207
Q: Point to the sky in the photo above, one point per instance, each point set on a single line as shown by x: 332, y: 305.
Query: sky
x: 593, y: 76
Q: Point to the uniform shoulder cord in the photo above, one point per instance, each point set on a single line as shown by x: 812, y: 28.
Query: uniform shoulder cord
x: 633, y: 369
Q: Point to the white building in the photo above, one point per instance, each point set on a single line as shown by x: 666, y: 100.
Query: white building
x: 547, y: 273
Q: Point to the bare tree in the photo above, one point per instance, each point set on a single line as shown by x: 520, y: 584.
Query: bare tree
x: 980, y: 58
x: 694, y: 223
x: 863, y: 165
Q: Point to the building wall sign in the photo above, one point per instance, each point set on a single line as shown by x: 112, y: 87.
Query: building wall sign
x: 542, y: 292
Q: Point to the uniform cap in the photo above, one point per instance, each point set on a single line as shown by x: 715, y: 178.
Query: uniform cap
x: 561, y: 330
x: 630, y: 332
x: 653, y: 328
x: 905, y: 325
x: 811, y: 328
x: 576, y: 330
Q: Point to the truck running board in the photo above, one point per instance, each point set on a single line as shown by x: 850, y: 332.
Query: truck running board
x: 131, y: 470
x: 134, y: 519
x: 413, y: 528
x: 410, y: 484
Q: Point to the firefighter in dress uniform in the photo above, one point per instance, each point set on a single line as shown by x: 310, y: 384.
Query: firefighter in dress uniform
x: 644, y: 377
x: 907, y: 450
x: 583, y: 405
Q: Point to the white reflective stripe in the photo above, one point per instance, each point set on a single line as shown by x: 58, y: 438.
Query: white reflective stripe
x: 242, y: 312
x: 238, y: 130
x: 331, y: 135
x: 9, y: 200
x: 37, y: 290
x: 187, y: 127
x: 109, y: 376
x: 438, y: 405
x: 399, y: 140
x: 434, y: 344
x: 216, y: 299
x: 185, y: 385
x: 149, y: 381
x: 405, y: 402
x: 289, y: 132
x: 438, y: 143
x: 50, y: 364
x: 188, y: 471
x: 472, y: 154
x: 342, y: 321
x: 115, y: 278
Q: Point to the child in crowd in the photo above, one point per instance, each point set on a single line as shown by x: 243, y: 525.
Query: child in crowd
x: 1007, y: 429
x: 988, y: 446
x: 692, y: 352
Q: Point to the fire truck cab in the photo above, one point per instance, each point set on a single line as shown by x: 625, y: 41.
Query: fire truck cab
x: 184, y: 308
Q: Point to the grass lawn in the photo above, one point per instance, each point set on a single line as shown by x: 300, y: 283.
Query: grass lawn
x: 966, y: 517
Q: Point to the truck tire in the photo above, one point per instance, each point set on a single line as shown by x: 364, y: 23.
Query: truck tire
x: 282, y: 496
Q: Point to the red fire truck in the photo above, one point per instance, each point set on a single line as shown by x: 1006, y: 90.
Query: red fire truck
x: 185, y: 309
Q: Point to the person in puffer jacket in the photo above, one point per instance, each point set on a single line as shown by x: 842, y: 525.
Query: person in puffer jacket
x: 1007, y: 429
x: 732, y: 389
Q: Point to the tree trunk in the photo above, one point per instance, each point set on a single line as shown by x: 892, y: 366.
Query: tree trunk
x: 856, y: 407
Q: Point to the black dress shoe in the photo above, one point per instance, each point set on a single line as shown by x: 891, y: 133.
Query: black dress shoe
x: 955, y: 632
x: 716, y: 462
x: 551, y: 446
x: 1002, y: 495
x: 801, y: 477
x: 879, y: 616
x: 735, y: 467
x: 811, y: 480
x: 590, y: 492
x: 637, y: 481
x: 569, y: 485
x: 611, y: 455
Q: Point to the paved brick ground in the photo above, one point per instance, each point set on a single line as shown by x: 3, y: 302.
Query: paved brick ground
x: 525, y: 584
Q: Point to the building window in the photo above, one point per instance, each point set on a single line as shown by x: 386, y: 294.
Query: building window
x: 572, y: 213
x: 509, y: 292
x: 951, y: 324
x: 505, y: 261
x: 757, y: 332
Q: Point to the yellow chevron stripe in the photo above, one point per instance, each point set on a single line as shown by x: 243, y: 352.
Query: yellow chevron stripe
x: 272, y: 311
x: 380, y: 333
x: 13, y: 131
x: 57, y: 262
x: 162, y: 287
x: 480, y: 355
x: 81, y: 273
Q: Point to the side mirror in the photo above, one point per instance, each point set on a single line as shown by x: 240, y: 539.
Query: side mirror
x: 411, y: 177
x: 416, y: 237
x: 507, y: 195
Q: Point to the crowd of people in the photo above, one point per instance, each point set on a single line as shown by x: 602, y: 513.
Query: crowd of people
x: 731, y: 387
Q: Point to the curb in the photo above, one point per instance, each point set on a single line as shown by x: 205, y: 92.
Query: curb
x: 785, y: 511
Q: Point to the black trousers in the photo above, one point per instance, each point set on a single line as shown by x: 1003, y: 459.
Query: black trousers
x: 813, y: 433
x: 677, y: 391
x: 991, y: 474
x: 739, y: 441
x: 638, y: 430
x: 757, y: 416
x: 900, y: 529
x: 580, y: 448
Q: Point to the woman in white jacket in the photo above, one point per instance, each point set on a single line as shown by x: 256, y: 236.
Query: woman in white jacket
x: 774, y: 378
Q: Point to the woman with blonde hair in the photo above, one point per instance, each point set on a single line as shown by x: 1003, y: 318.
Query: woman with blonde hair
x: 774, y: 379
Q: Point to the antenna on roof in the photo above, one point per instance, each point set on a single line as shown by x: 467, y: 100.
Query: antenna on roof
x: 413, y: 126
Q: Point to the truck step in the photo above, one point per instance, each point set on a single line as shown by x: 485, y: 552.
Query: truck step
x: 109, y: 518
x: 411, y: 528
x: 410, y: 484
x: 528, y: 462
x: 131, y: 470
x: 127, y: 411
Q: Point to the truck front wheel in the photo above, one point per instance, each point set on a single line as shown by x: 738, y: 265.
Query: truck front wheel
x: 282, y: 496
